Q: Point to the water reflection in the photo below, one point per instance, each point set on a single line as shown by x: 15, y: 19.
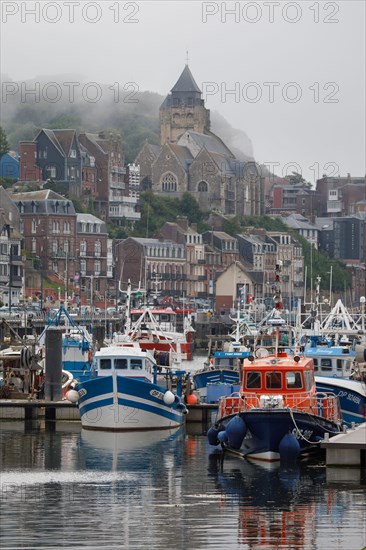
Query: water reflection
x: 112, y: 450
x: 70, y: 488
x: 282, y: 507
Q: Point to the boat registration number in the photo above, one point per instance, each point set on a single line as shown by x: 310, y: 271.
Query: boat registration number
x: 305, y: 433
x: 350, y: 397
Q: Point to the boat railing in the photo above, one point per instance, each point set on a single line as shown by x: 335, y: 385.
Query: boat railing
x: 319, y: 404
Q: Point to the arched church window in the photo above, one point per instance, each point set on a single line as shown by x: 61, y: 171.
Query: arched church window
x: 169, y: 183
x: 202, y: 187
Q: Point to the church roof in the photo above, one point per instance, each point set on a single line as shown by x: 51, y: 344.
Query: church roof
x: 186, y: 82
x: 182, y: 153
x: 211, y: 143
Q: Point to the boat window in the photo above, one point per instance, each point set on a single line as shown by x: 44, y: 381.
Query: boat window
x: 273, y: 380
x: 339, y: 364
x: 293, y: 380
x: 326, y: 364
x: 309, y: 380
x: 254, y: 380
x: 315, y: 363
x: 105, y: 364
x: 136, y: 364
x: 120, y: 363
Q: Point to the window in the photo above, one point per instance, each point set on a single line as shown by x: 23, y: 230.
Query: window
x: 136, y: 364
x: 97, y: 248
x: 105, y: 364
x: 83, y: 266
x: 326, y: 364
x: 202, y: 187
x: 273, y: 380
x: 34, y: 226
x: 82, y: 248
x: 293, y: 380
x: 51, y: 171
x: 34, y: 246
x: 73, y: 153
x: 254, y: 380
x: 169, y: 183
x: 120, y: 363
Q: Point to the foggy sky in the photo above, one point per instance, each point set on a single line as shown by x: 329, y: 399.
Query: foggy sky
x: 303, y: 61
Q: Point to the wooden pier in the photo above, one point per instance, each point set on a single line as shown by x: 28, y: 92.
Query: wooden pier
x: 33, y: 409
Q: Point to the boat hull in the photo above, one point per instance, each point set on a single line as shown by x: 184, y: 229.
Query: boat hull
x: 265, y: 432
x: 126, y: 404
x: 351, y: 395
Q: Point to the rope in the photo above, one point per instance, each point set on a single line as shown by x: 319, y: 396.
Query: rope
x: 298, y: 431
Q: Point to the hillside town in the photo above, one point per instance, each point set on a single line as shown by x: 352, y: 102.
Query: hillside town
x: 50, y: 253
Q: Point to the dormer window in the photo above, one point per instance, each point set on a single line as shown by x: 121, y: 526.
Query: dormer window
x: 73, y: 153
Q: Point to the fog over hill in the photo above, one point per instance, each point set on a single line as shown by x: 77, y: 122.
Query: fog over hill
x: 65, y: 102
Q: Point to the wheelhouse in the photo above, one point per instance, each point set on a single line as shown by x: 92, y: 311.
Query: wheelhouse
x: 124, y: 362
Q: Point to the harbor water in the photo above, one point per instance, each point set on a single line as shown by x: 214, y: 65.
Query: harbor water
x: 64, y: 487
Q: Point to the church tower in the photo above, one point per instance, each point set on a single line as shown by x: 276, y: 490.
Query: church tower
x: 183, y: 109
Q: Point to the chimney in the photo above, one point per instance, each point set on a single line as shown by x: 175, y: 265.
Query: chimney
x: 182, y: 222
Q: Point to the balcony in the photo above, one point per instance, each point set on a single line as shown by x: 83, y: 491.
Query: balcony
x: 334, y: 206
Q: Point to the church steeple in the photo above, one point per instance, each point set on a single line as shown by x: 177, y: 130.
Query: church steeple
x: 186, y: 83
x: 183, y: 109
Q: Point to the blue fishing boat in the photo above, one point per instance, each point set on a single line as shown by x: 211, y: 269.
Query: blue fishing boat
x: 339, y: 352
x: 219, y: 374
x: 77, y: 344
x: 125, y: 395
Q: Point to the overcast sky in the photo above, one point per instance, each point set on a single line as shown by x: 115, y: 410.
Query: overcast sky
x: 296, y: 69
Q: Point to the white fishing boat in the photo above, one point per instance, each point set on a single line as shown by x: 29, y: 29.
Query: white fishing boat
x: 125, y: 396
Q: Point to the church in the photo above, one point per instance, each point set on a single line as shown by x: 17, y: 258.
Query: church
x: 192, y: 159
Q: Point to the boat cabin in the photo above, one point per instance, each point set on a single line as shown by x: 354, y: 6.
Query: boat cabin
x: 330, y: 359
x: 164, y: 317
x: 289, y: 379
x: 129, y: 362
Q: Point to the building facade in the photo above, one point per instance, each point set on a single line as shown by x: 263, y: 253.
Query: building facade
x: 192, y: 159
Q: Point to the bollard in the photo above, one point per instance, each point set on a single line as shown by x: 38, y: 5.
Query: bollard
x: 53, y: 370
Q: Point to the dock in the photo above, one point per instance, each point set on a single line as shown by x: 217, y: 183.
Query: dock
x: 33, y: 409
x: 348, y: 448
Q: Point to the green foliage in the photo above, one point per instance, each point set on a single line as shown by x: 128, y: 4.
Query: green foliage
x: 118, y: 231
x: 4, y: 144
x: 319, y: 264
x: 157, y: 209
x: 7, y: 182
x: 236, y: 225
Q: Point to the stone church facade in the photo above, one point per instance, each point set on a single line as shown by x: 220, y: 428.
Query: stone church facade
x: 193, y: 159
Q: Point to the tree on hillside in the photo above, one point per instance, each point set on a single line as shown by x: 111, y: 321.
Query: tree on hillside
x: 297, y: 178
x: 4, y: 145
